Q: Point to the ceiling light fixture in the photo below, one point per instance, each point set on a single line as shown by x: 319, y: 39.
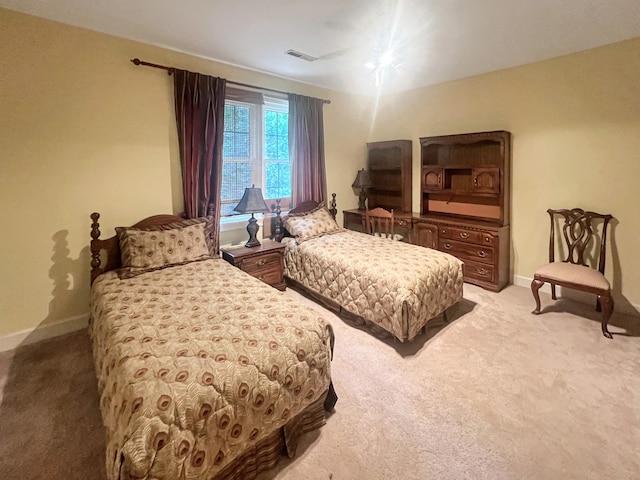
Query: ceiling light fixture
x: 385, y: 59
x: 383, y: 62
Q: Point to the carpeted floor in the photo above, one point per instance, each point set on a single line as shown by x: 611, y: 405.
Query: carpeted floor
x: 497, y: 393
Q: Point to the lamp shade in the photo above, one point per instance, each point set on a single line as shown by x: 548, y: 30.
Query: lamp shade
x: 362, y: 180
x: 252, y: 201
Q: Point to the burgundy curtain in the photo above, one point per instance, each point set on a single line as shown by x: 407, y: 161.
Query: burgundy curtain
x: 199, y: 104
x: 306, y: 149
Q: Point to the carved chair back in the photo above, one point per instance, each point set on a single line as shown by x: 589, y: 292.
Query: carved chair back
x: 578, y: 232
x: 379, y: 221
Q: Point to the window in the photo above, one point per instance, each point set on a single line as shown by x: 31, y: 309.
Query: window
x: 255, y: 148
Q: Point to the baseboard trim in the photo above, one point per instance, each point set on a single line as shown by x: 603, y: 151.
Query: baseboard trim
x: 626, y: 308
x: 37, y: 334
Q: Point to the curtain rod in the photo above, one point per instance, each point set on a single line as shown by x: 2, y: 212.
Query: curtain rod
x: 170, y: 70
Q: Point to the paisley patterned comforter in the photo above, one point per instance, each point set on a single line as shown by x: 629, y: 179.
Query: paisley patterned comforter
x: 196, y: 364
x: 395, y: 285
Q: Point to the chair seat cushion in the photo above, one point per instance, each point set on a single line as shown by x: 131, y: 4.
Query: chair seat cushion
x: 577, y: 274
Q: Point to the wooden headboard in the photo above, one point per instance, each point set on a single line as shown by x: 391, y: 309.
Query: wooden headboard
x: 111, y: 246
x: 306, y: 206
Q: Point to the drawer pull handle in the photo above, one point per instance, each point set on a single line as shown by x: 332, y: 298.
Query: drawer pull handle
x: 464, y: 235
x: 447, y: 246
x: 482, y: 271
x: 487, y: 239
x: 481, y: 253
x: 261, y: 262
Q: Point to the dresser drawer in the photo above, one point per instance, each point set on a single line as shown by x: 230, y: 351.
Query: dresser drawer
x: 467, y: 236
x: 479, y: 271
x: 261, y: 262
x: 467, y: 251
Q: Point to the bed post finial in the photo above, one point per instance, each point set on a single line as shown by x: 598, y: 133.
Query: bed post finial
x: 277, y: 233
x: 333, y: 209
x: 95, y: 234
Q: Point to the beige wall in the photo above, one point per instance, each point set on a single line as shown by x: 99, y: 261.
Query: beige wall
x: 575, y: 122
x: 82, y: 129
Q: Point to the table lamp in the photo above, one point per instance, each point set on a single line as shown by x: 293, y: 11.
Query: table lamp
x: 252, y: 202
x: 362, y: 182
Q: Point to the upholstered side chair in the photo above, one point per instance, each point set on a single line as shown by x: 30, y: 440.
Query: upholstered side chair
x: 578, y: 235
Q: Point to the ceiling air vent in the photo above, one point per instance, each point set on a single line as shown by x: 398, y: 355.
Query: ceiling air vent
x: 302, y: 56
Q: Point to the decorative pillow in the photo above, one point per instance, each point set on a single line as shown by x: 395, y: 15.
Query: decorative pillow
x: 208, y: 229
x: 147, y: 250
x: 304, y: 226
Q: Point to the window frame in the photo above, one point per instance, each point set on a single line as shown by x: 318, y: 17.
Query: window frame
x: 257, y: 128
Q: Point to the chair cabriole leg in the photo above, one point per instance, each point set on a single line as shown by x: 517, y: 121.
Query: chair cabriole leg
x: 535, y: 286
x: 606, y: 302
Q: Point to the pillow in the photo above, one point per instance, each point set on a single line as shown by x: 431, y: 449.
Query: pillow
x: 208, y: 229
x: 315, y: 223
x: 148, y: 250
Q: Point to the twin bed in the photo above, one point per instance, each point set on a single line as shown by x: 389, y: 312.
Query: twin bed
x: 392, y: 286
x: 205, y: 371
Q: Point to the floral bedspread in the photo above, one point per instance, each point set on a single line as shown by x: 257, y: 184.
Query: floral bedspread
x: 395, y: 285
x: 196, y: 363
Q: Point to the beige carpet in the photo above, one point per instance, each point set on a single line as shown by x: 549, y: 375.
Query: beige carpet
x: 497, y: 393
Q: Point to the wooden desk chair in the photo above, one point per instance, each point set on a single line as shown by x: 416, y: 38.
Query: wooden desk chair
x: 379, y: 222
x: 578, y: 232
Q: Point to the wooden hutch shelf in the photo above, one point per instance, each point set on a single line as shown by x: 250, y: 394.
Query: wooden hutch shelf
x: 465, y: 202
x: 389, y: 165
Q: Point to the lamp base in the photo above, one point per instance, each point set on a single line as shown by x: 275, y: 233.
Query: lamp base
x: 361, y: 199
x: 252, y: 228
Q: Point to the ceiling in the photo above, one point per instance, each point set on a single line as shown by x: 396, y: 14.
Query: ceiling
x: 431, y: 41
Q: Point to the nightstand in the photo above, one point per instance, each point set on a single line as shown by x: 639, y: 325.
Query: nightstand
x: 265, y: 262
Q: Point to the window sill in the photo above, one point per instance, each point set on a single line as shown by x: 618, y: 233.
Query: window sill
x: 238, y: 222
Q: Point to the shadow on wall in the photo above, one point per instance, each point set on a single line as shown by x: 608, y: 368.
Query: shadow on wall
x: 622, y: 304
x: 71, y: 281
x: 50, y: 424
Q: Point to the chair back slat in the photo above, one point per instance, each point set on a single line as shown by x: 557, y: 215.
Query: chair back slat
x: 578, y: 232
x: 379, y: 221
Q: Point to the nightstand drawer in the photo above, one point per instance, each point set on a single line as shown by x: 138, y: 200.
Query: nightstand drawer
x: 272, y: 276
x: 467, y: 236
x: 466, y: 251
x: 261, y: 262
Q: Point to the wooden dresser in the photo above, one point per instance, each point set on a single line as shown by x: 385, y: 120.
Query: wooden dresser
x: 265, y: 262
x: 482, y: 246
x: 465, y: 203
